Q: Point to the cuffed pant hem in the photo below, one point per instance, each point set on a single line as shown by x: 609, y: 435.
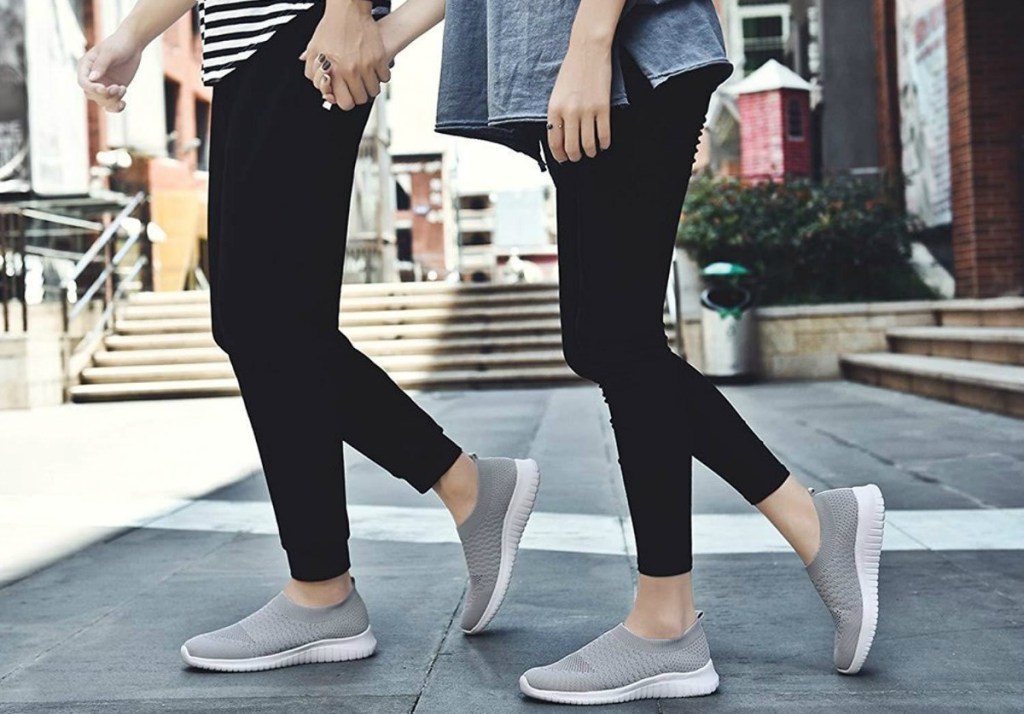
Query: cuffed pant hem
x: 769, y: 485
x: 664, y: 569
x: 435, y: 465
x: 314, y: 565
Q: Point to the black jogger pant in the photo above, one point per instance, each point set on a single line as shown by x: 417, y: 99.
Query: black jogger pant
x: 617, y: 220
x: 281, y: 173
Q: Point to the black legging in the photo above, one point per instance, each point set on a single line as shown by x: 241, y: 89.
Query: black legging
x: 280, y: 182
x: 617, y: 220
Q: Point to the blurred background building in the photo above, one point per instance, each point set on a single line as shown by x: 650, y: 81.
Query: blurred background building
x: 920, y: 96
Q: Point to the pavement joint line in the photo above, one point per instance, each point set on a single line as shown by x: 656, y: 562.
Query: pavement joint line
x: 599, y: 534
x: 905, y: 468
x: 438, y: 651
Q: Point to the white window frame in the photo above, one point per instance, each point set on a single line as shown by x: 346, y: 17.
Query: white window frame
x: 737, y: 13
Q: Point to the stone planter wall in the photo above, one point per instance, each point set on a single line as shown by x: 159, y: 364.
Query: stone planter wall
x: 805, y: 341
x: 32, y: 364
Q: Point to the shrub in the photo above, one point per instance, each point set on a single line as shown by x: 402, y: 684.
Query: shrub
x: 838, y: 241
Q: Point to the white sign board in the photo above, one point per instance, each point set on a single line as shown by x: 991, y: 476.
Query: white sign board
x: 58, y: 128
x: 14, y: 146
x: 924, y: 108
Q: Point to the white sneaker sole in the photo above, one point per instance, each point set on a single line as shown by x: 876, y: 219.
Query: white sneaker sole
x: 337, y: 650
x: 868, y: 552
x: 516, y: 517
x: 674, y: 685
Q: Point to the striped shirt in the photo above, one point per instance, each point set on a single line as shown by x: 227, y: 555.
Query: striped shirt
x: 232, y: 30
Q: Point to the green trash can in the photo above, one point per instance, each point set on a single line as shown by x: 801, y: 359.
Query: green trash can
x: 727, y: 323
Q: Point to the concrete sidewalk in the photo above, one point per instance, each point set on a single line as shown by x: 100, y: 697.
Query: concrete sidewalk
x: 99, y: 631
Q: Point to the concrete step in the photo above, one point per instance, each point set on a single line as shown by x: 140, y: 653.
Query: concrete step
x: 449, y: 379
x: 124, y: 355
x: 174, y: 341
x: 221, y: 369
x: 140, y: 357
x: 364, y: 291
x: 989, y: 312
x: 1003, y: 345
x: 373, y: 318
x: 355, y: 304
x: 168, y: 329
x: 154, y: 390
x: 983, y: 385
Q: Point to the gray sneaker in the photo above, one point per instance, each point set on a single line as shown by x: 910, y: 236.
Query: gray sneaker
x: 282, y: 633
x: 619, y: 667
x: 490, y: 536
x: 845, y: 570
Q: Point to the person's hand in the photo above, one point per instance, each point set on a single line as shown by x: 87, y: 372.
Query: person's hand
x: 345, y: 59
x: 579, y: 111
x: 105, y: 71
x: 392, y: 36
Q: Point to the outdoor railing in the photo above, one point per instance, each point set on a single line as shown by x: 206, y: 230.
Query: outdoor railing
x: 12, y: 267
x: 120, y: 239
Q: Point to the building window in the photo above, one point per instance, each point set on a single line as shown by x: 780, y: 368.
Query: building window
x: 475, y: 202
x: 795, y: 119
x: 761, y: 31
x: 476, y: 238
x: 172, y: 90
x: 202, y: 135
x: 403, y: 243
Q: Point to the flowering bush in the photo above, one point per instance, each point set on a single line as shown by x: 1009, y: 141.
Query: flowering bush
x: 805, y: 242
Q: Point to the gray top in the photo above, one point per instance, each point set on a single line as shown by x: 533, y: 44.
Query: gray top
x: 501, y: 59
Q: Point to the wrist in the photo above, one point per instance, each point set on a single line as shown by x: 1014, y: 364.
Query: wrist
x: 363, y: 7
x: 134, y: 32
x: 592, y: 36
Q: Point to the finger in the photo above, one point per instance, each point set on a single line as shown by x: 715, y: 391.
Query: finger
x: 325, y: 83
x: 588, y: 134
x: 100, y: 64
x: 302, y: 57
x: 556, y: 139
x: 312, y: 63
x: 84, y: 68
x: 371, y: 83
x: 604, y: 129
x: 383, y: 72
x: 572, y: 138
x: 343, y: 96
x: 356, y: 89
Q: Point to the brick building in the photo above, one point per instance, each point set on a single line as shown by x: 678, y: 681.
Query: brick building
x: 985, y: 119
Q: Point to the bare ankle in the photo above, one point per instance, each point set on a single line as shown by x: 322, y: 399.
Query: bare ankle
x: 660, y: 625
x: 457, y: 488
x: 319, y: 593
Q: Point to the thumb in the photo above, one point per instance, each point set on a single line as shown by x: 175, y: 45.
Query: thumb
x: 100, y: 64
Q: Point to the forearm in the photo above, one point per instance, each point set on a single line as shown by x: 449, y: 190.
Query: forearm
x: 596, y: 21
x: 413, y: 19
x: 149, y: 18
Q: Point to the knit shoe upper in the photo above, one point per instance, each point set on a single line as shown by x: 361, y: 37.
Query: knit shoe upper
x: 845, y: 570
x: 265, y: 638
x: 490, y: 535
x: 619, y: 666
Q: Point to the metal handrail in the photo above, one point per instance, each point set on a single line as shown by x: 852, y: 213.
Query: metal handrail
x: 108, y: 313
x: 73, y: 305
x: 101, y: 279
x: 107, y: 235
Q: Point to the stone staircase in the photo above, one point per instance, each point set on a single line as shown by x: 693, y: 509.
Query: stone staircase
x: 973, y: 355
x: 425, y: 335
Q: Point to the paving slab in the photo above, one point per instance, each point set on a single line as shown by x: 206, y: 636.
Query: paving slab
x: 99, y: 630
